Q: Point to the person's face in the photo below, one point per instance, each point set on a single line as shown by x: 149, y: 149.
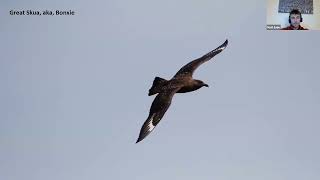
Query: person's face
x: 295, y: 20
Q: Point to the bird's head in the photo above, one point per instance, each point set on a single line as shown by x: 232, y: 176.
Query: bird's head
x: 201, y: 83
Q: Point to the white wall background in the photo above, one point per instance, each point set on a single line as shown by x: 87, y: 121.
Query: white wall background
x: 310, y: 21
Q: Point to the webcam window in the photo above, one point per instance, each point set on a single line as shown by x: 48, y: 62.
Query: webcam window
x: 293, y: 15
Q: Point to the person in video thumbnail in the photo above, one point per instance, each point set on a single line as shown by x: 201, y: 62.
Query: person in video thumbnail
x: 295, y: 19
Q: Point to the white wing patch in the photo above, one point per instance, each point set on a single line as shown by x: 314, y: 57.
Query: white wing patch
x: 150, y: 124
x: 219, y: 49
x: 222, y: 48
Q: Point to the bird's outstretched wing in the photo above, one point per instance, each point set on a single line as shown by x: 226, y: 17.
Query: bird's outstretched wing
x: 158, y: 108
x: 188, y: 69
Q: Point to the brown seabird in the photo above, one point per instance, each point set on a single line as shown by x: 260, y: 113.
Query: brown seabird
x: 181, y: 82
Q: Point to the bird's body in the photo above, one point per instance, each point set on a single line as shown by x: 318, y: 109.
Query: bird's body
x: 182, y: 82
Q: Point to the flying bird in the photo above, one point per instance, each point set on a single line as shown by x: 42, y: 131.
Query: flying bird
x: 182, y: 82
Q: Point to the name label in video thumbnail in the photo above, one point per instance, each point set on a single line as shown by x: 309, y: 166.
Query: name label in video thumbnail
x: 273, y: 26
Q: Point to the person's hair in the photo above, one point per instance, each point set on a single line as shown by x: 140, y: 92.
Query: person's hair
x: 295, y: 11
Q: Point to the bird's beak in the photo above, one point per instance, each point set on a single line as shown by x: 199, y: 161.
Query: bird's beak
x: 206, y: 85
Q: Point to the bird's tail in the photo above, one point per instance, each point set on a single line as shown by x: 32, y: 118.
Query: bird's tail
x: 156, y: 85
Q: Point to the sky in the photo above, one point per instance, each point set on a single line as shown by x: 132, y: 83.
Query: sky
x: 74, y: 93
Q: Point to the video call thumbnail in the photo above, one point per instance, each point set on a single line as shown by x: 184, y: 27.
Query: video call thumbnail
x: 293, y: 15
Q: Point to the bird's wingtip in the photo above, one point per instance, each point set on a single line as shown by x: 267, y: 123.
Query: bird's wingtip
x: 223, y: 46
x: 140, y: 138
x: 225, y: 43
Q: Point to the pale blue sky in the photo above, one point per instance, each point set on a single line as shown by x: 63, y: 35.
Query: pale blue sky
x: 74, y: 93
